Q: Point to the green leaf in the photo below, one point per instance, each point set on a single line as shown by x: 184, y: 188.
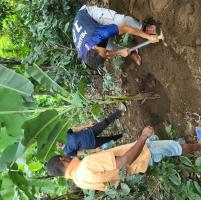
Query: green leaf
x: 66, y: 27
x: 198, y: 162
x: 122, y: 173
x: 41, y: 77
x: 89, y: 194
x: 6, y: 139
x: 39, y: 127
x: 45, y: 151
x: 111, y: 193
x: 82, y: 88
x: 11, y: 80
x: 20, y: 181
x: 11, y: 101
x: 175, y: 179
x: 197, y: 187
x: 35, y: 166
x: 76, y: 101
x: 96, y: 110
x: 125, y: 190
x: 0, y: 184
x: 125, y: 39
x: 168, y: 128
x: 186, y: 161
x: 10, y: 154
x: 117, y: 62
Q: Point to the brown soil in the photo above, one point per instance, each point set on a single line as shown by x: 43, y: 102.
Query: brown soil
x: 172, y: 71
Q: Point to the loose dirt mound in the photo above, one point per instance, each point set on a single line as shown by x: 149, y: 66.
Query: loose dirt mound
x: 174, y: 71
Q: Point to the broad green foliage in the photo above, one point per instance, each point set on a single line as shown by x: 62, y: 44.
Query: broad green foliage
x: 4, y: 136
x: 39, y: 127
x: 48, y: 148
x: 46, y: 129
x: 10, y: 154
x: 11, y: 116
x: 41, y: 77
x: 4, y: 9
x: 49, y: 23
x: 96, y: 110
x: 14, y: 81
x: 35, y: 166
x: 13, y: 32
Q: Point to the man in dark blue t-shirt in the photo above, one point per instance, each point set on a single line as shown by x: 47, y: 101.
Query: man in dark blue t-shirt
x: 87, y: 137
x: 94, y: 26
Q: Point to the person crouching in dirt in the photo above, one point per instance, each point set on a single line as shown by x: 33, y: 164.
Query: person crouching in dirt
x: 92, y: 31
x: 87, y: 137
x: 96, y: 170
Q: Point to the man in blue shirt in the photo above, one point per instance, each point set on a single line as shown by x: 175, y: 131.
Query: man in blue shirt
x: 87, y: 137
x: 94, y: 26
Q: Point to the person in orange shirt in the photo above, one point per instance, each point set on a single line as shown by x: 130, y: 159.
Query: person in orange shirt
x: 96, y: 170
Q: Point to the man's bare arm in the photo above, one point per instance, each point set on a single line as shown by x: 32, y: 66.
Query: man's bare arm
x: 133, y: 153
x: 82, y: 127
x: 111, y: 54
x: 123, y: 28
x: 82, y: 152
x: 122, y: 52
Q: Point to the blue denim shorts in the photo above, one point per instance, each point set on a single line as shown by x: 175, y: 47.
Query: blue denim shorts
x: 163, y: 148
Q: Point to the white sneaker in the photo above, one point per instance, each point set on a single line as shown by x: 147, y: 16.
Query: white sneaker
x: 122, y: 107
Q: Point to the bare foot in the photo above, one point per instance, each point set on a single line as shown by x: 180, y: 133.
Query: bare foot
x: 136, y: 57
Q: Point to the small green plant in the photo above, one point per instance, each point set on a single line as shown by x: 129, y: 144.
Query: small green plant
x: 110, y: 85
x: 117, y: 62
x: 170, y: 131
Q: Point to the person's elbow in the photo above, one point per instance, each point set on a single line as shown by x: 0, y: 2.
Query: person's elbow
x: 123, y: 28
x: 121, y: 162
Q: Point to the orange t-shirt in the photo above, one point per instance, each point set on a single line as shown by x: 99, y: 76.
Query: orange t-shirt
x: 96, y: 170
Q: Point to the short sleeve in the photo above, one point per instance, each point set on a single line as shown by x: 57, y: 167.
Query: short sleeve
x: 102, y: 33
x: 107, y: 31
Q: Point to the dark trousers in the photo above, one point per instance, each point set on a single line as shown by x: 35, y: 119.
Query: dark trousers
x: 101, y: 126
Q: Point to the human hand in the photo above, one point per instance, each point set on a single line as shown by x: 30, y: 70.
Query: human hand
x: 59, y: 146
x: 153, y: 38
x: 98, y: 149
x: 147, y: 132
x: 123, y: 52
x: 91, y: 123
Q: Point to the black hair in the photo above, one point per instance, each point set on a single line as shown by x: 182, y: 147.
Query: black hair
x: 93, y: 59
x: 55, y: 166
